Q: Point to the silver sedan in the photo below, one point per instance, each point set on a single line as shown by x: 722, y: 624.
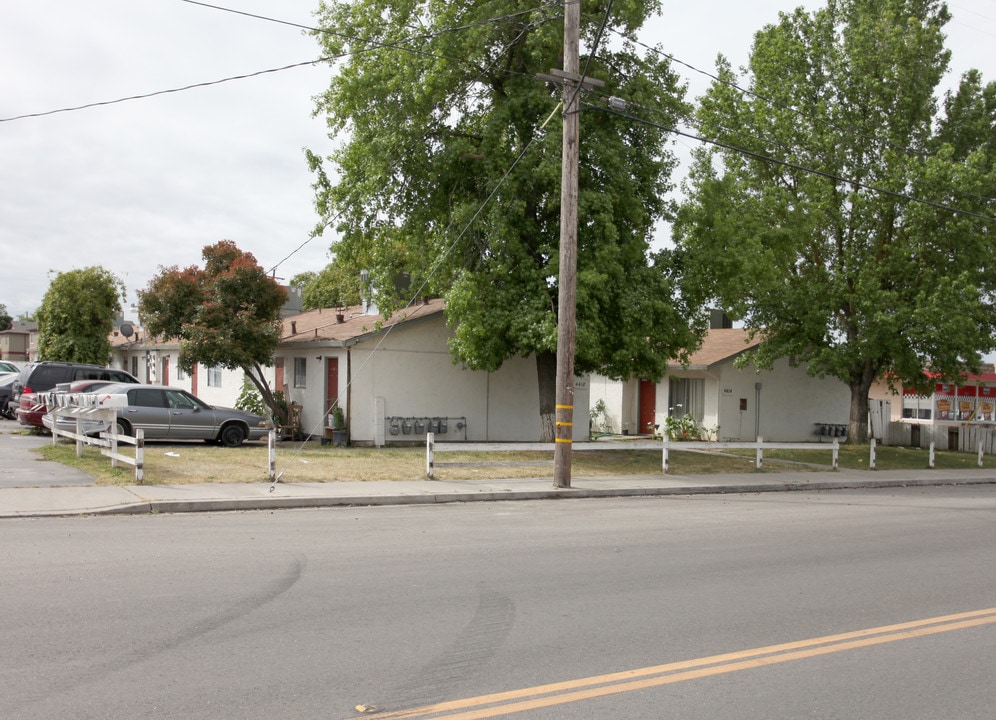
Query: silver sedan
x: 167, y: 413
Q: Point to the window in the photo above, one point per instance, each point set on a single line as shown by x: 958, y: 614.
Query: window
x: 182, y: 401
x: 917, y: 407
x: 134, y: 365
x: 300, y: 372
x: 146, y: 397
x: 180, y: 375
x: 214, y: 376
x: 686, y: 396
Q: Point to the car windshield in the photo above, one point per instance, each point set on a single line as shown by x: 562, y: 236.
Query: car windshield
x: 180, y: 399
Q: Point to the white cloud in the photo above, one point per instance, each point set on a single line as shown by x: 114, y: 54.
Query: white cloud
x: 136, y: 185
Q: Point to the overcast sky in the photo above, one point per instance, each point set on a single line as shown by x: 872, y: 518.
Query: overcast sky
x: 134, y: 185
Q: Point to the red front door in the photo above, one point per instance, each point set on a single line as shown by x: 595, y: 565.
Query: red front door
x: 279, y: 377
x: 331, y: 383
x: 648, y: 407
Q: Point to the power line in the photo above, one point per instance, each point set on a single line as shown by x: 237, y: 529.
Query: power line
x: 781, y: 106
x: 155, y: 93
x: 794, y: 166
x: 400, y: 44
x: 820, y: 121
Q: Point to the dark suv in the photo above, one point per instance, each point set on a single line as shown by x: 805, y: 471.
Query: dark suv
x: 43, y: 376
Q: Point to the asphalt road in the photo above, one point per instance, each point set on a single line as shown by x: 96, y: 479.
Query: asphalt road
x: 307, y: 614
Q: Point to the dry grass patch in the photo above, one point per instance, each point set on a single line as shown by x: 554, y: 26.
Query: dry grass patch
x: 177, y: 464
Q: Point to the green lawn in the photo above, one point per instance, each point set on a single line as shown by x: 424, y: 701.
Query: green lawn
x: 310, y: 462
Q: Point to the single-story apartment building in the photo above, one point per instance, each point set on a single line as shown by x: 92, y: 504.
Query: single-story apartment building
x: 396, y: 380
x: 783, y: 404
x: 393, y: 377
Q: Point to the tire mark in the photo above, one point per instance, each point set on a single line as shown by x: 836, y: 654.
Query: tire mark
x: 468, y: 654
x: 101, y: 670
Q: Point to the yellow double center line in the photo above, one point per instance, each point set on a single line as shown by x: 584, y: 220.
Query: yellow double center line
x: 514, y: 701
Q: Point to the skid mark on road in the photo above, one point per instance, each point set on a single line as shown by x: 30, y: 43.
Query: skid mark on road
x: 135, y: 652
x: 469, y: 652
x: 515, y: 701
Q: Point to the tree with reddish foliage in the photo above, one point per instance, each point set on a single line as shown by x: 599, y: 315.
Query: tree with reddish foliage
x: 224, y: 315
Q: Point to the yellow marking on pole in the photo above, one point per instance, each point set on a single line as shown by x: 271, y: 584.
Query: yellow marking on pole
x: 565, y: 424
x: 565, y: 407
x: 563, y: 440
x: 640, y: 679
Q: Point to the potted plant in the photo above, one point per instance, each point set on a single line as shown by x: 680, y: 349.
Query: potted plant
x: 340, y: 435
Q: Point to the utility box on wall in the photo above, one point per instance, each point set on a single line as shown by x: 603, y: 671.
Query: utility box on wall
x: 414, y: 429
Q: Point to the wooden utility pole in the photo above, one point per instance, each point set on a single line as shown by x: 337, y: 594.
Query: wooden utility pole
x: 567, y: 286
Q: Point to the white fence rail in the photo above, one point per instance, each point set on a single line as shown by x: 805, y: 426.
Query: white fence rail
x: 759, y: 446
x: 89, y: 408
x: 668, y: 446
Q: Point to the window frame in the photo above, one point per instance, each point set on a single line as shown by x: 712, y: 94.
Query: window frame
x: 300, y: 372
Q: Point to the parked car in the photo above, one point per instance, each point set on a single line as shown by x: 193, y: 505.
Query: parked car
x: 42, y: 376
x: 6, y: 366
x: 69, y: 423
x: 168, y: 413
x: 6, y: 388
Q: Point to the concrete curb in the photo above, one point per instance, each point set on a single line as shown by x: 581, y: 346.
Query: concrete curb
x: 146, y: 507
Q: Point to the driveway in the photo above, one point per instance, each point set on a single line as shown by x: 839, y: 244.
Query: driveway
x: 20, y: 467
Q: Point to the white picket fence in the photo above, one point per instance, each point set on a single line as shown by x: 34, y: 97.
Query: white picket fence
x: 667, y: 446
x: 758, y: 446
x: 85, y: 407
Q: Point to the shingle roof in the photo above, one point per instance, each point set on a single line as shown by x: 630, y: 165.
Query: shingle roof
x: 324, y: 324
x: 719, y: 346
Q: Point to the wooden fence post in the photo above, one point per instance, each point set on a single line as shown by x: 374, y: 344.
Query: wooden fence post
x: 430, y: 454
x: 139, y: 455
x: 271, y: 439
x: 112, y: 433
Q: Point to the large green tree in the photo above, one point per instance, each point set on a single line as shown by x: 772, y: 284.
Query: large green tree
x: 846, y: 215
x: 226, y: 314
x: 448, y: 166
x: 77, y: 316
x: 5, y: 318
x: 334, y: 286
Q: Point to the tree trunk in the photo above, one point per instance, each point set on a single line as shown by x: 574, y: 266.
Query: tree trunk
x: 860, y: 384
x: 255, y: 376
x: 546, y: 375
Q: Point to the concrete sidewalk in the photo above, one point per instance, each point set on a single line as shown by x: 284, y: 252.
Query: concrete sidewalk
x: 30, y: 487
x: 217, y: 497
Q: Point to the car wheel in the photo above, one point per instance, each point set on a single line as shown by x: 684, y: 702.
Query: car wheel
x: 232, y: 436
x: 121, y: 427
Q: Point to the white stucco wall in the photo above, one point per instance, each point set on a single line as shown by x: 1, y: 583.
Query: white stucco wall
x: 150, y: 363
x: 312, y: 396
x: 791, y: 402
x: 787, y: 408
x: 409, y: 373
x: 614, y: 394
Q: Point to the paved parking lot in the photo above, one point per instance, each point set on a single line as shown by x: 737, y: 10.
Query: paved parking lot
x: 22, y: 468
